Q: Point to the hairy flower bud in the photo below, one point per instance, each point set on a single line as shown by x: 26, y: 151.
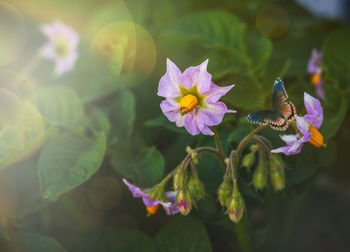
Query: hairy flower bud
x: 184, y: 201
x: 196, y: 188
x: 248, y: 160
x: 179, y: 178
x: 224, y: 192
x: 277, y: 172
x: 260, y: 176
x: 236, y: 206
x: 194, y: 155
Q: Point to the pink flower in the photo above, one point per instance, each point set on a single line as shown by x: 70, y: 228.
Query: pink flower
x: 308, y: 126
x: 61, y: 46
x: 314, y: 68
x: 192, y: 99
x: 152, y: 204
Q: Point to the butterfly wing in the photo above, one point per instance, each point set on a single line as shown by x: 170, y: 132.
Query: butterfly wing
x: 273, y: 117
x: 287, y: 110
x: 279, y: 93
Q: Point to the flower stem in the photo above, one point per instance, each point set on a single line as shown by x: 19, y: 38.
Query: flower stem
x: 219, y: 148
x: 243, y: 143
x: 188, y: 158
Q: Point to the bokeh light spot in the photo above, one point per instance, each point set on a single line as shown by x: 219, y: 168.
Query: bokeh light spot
x: 12, y: 30
x: 126, y: 49
x: 272, y: 21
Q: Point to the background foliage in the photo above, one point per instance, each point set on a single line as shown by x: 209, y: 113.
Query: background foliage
x: 65, y: 143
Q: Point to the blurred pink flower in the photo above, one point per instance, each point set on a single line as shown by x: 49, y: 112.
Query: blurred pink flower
x: 192, y: 99
x: 307, y: 125
x: 61, y: 46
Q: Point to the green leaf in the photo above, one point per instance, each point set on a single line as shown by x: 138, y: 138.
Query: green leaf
x: 145, y: 168
x: 183, y: 234
x: 33, y: 242
x: 68, y: 161
x: 58, y: 104
x: 123, y: 115
x: 162, y: 121
x: 100, y: 121
x: 336, y: 56
x: 217, y: 30
x: 335, y: 110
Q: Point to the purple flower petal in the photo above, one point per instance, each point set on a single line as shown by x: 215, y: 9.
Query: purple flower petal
x: 169, y: 83
x: 170, y: 109
x: 319, y: 90
x: 169, y: 207
x: 215, y: 92
x: 314, y: 111
x: 197, y: 75
x: 314, y: 65
x: 191, y: 124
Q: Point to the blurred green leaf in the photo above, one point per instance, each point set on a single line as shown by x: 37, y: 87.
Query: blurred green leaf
x: 145, y: 168
x: 58, y: 104
x: 33, y: 242
x: 162, y: 121
x: 123, y: 114
x: 336, y: 56
x: 100, y: 121
x: 183, y: 234
x: 334, y: 109
x: 68, y: 161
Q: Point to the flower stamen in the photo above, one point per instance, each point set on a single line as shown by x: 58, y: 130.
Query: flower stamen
x: 153, y: 209
x: 315, y: 79
x: 316, y: 138
x: 187, y: 104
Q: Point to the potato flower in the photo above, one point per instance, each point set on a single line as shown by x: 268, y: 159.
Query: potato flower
x: 192, y: 99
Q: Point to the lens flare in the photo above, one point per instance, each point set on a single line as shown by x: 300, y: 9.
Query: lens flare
x: 272, y: 21
x: 12, y: 30
x: 126, y: 49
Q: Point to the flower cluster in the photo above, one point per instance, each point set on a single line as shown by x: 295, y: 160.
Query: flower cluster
x: 192, y: 101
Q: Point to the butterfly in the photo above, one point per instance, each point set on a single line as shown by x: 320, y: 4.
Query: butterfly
x: 281, y: 113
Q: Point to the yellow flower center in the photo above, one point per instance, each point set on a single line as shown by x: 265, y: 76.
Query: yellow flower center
x: 316, y: 137
x: 61, y: 47
x: 315, y: 79
x: 187, y: 104
x: 153, y: 209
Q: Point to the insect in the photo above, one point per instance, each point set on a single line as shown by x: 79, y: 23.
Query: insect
x: 281, y: 113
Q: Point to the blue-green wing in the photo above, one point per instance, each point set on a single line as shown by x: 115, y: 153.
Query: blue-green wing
x: 279, y: 93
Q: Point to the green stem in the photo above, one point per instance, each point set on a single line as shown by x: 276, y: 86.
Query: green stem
x: 244, y: 142
x: 219, y: 148
x: 188, y: 158
x: 242, y: 236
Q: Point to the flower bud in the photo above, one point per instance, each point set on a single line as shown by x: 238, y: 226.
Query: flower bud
x: 194, y: 155
x: 248, y: 160
x: 179, y: 178
x: 224, y: 192
x: 196, y: 188
x: 157, y: 192
x: 236, y: 206
x: 259, y: 177
x: 253, y: 147
x: 184, y: 202
x: 276, y: 173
